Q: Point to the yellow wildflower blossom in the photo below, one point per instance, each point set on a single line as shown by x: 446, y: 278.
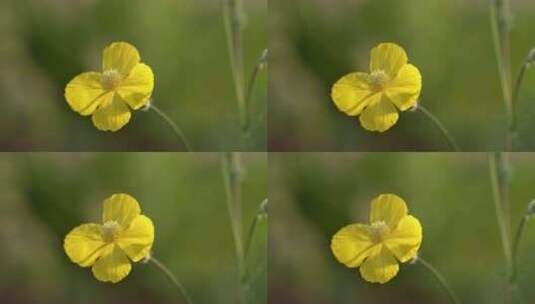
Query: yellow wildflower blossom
x: 391, y: 81
x: 124, y: 234
x: 392, y: 234
x: 124, y: 82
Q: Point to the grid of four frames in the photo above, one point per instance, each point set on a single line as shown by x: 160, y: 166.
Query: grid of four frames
x: 150, y: 158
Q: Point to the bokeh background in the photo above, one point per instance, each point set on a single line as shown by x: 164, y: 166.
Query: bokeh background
x: 46, y: 43
x: 315, y: 42
x: 44, y: 196
x: 316, y: 194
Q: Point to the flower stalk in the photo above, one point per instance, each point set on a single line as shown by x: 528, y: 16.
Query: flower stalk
x: 176, y: 129
x: 181, y: 289
x: 232, y: 178
x: 530, y: 211
x: 233, y: 18
x: 498, y: 169
x: 260, y: 215
x: 452, y: 144
x: 518, y: 85
x: 516, y: 242
x: 500, y: 19
x: 259, y: 67
x: 440, y: 279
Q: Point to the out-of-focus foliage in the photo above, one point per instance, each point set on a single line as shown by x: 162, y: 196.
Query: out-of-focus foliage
x: 45, y: 43
x: 314, y: 195
x: 315, y: 42
x: 44, y: 196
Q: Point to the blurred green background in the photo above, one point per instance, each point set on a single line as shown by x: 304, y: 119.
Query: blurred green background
x: 44, y: 196
x: 315, y: 42
x: 316, y: 194
x: 46, y: 43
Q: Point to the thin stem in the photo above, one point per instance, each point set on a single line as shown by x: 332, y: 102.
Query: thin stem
x: 232, y: 182
x: 516, y: 242
x: 440, y: 278
x: 451, y: 142
x: 499, y: 182
x: 174, y: 126
x: 172, y: 278
x: 517, y: 87
x: 519, y: 80
x: 260, y: 64
x: 505, y: 28
x: 233, y: 19
x: 260, y: 214
x: 500, y: 24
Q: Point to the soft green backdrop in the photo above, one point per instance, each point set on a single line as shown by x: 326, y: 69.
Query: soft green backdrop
x: 44, y: 196
x: 314, y: 195
x: 45, y: 43
x: 315, y: 42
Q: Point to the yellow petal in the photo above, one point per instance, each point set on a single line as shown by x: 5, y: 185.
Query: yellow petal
x: 137, y: 240
x: 121, y: 208
x: 380, y: 115
x: 112, y: 266
x: 137, y: 88
x: 352, y: 93
x: 120, y: 56
x: 380, y: 267
x: 388, y: 208
x: 388, y: 57
x: 112, y: 114
x: 84, y: 244
x: 405, y: 240
x: 85, y: 92
x: 351, y: 244
x: 404, y: 90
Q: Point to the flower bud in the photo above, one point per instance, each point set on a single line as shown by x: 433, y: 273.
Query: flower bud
x: 531, y: 56
x: 415, y: 107
x: 147, y: 106
x: 262, y: 63
x: 263, y: 210
x: 531, y: 208
x: 147, y: 258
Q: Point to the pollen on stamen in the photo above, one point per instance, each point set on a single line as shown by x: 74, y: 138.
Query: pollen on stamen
x: 109, y: 230
x: 111, y: 79
x: 378, y: 230
x: 378, y: 79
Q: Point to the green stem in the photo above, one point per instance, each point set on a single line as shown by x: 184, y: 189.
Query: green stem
x: 440, y: 279
x: 500, y: 184
x: 500, y: 24
x: 519, y: 80
x: 516, y: 90
x: 172, y: 278
x: 436, y: 122
x: 232, y: 182
x: 260, y: 64
x: 174, y: 126
x: 233, y: 19
x: 260, y: 214
x: 516, y: 242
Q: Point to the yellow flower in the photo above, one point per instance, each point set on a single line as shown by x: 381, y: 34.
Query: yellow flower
x: 123, y: 234
x: 123, y: 83
x: 392, y: 81
x: 392, y: 234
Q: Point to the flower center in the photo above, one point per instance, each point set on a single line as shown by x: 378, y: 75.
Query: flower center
x: 110, y: 229
x: 378, y: 79
x: 378, y: 230
x: 111, y: 79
